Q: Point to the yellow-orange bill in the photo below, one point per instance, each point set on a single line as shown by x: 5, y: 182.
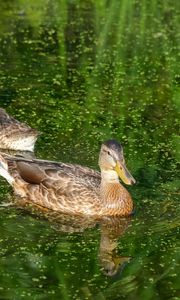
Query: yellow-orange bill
x: 123, y: 173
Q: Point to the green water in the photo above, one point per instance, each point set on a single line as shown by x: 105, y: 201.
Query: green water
x: 82, y: 72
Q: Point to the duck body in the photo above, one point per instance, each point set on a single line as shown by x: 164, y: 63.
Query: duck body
x: 68, y: 188
x: 15, y: 135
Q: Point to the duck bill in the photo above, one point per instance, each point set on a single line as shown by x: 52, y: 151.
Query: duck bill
x: 123, y: 173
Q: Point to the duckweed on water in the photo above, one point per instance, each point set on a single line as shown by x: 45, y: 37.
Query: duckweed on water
x: 82, y: 72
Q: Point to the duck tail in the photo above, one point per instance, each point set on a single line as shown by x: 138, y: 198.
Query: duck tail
x: 4, y: 170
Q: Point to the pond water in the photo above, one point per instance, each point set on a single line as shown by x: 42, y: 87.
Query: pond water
x: 82, y: 72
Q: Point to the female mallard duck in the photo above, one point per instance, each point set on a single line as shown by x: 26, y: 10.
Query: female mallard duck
x: 15, y: 135
x: 71, y: 188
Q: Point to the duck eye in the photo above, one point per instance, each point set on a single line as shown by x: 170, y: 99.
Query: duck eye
x: 108, y: 153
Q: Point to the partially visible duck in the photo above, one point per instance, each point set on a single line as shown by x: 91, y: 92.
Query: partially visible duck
x: 15, y: 135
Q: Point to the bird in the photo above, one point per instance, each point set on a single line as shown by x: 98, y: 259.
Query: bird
x: 71, y: 188
x: 15, y: 135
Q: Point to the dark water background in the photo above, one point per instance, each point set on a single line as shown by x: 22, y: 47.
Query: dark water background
x: 82, y: 72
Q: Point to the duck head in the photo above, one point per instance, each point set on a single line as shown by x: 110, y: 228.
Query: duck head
x: 111, y: 158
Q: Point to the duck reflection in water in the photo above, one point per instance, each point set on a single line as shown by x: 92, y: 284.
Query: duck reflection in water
x: 111, y: 229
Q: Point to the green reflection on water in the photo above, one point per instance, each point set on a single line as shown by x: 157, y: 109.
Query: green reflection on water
x: 82, y: 72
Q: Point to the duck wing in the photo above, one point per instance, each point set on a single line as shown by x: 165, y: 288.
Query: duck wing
x: 36, y: 171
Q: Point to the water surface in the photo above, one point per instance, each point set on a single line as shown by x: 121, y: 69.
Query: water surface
x: 82, y: 72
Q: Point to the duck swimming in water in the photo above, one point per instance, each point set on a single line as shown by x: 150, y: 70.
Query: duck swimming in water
x: 15, y: 135
x: 73, y: 189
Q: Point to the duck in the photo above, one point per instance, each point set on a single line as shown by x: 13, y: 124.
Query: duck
x: 71, y: 188
x: 15, y: 135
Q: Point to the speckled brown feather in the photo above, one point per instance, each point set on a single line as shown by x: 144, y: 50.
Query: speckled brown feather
x: 16, y: 135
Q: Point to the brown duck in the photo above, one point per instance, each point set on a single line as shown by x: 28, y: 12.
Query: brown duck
x: 73, y: 189
x: 15, y: 135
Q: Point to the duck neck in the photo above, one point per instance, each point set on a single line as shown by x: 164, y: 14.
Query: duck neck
x: 110, y: 186
x: 113, y: 194
x: 109, y: 177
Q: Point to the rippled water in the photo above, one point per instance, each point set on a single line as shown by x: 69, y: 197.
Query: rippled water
x: 82, y: 72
